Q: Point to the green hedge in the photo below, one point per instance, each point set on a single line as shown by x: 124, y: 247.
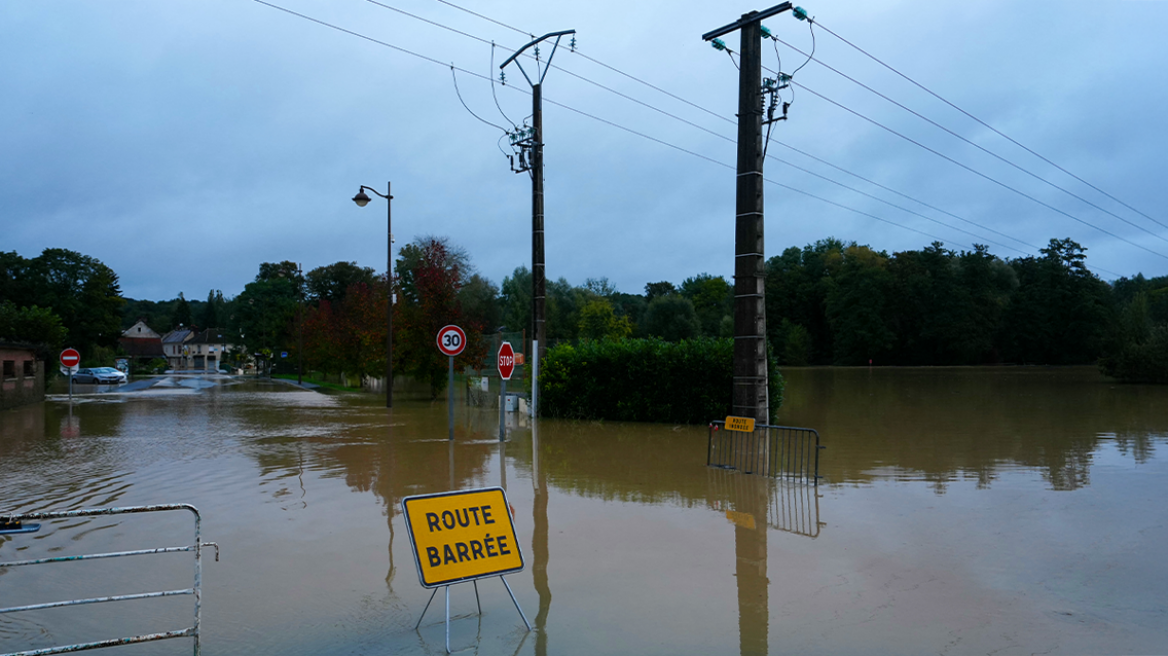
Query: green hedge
x: 652, y: 380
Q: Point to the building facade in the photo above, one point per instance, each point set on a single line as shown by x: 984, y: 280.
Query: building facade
x: 22, y: 376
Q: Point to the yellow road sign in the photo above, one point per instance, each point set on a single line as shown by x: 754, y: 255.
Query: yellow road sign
x: 462, y: 536
x: 744, y: 424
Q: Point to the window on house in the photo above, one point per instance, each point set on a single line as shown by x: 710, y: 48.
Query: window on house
x: 10, y: 368
x: 29, y: 368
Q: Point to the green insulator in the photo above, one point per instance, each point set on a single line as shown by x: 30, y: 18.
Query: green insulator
x: 800, y: 13
x: 766, y: 34
x: 718, y: 44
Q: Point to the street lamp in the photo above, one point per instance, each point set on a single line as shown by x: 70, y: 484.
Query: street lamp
x: 362, y: 199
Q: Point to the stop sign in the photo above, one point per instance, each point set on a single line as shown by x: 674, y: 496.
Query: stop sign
x: 506, y: 361
x: 70, y: 358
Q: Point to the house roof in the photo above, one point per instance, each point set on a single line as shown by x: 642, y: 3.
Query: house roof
x: 142, y: 347
x: 210, y: 336
x: 140, y: 331
x: 178, y: 336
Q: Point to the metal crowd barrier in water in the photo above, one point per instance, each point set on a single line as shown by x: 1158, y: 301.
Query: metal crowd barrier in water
x: 14, y: 523
x: 777, y: 451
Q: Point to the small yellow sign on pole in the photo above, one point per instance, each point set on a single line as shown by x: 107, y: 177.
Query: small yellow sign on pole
x: 744, y: 424
x: 462, y: 536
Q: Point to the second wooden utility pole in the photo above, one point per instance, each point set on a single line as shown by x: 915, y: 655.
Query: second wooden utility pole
x: 751, y: 397
x: 538, y: 273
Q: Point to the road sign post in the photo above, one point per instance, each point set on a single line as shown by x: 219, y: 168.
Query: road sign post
x: 451, y: 342
x: 506, y: 362
x: 71, y: 360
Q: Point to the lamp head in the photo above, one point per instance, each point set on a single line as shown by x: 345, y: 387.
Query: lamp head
x: 362, y: 199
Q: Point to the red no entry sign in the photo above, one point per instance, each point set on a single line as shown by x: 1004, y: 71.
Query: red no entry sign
x: 70, y: 358
x: 506, y: 361
x: 451, y: 340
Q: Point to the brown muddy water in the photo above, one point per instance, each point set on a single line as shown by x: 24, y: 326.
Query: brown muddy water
x: 962, y: 511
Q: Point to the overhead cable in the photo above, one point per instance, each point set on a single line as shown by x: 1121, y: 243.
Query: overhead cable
x: 987, y: 125
x: 605, y: 121
x: 811, y: 57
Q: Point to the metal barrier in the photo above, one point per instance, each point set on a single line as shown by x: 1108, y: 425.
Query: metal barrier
x: 14, y: 524
x: 777, y: 451
x: 791, y: 506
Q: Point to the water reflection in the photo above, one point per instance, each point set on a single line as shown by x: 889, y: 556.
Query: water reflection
x: 942, y: 424
x: 539, y: 543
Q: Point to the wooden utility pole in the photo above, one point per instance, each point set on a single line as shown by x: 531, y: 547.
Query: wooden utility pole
x: 538, y: 274
x: 535, y: 143
x: 751, y: 398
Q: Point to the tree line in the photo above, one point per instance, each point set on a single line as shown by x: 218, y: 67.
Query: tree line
x: 828, y: 303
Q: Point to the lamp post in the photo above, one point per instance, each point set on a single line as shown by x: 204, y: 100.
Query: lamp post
x: 299, y: 325
x: 362, y: 199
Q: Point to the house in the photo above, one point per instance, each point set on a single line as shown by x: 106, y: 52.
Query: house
x: 207, y: 348
x: 139, y: 342
x: 191, y: 349
x: 22, y: 377
x: 174, y: 347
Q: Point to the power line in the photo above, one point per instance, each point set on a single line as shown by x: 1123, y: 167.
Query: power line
x: 987, y: 125
x: 732, y: 168
x: 979, y: 173
x: 605, y: 121
x: 455, y: 78
x: 718, y: 135
x: 519, y: 31
x: 811, y: 57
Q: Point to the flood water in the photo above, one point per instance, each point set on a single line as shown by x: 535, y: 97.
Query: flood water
x: 962, y: 511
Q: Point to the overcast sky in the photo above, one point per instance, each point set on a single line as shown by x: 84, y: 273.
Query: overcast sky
x: 183, y: 142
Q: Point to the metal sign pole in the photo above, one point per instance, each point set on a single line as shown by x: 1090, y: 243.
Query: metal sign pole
x: 502, y: 410
x: 450, y: 397
x: 535, y: 378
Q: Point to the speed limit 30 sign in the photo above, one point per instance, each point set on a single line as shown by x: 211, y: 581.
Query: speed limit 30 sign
x: 451, y: 340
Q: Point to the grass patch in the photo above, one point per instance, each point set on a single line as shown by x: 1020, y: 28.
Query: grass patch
x: 318, y: 382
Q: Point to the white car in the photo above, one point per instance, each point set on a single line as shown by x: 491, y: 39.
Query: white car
x: 110, y: 371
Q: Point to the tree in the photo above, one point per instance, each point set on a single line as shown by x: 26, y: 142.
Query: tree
x: 265, y: 314
x: 348, y: 336
x: 479, y: 298
x: 563, y: 309
x: 857, y: 303
x: 712, y: 298
x: 796, y: 290
x: 32, y: 325
x: 15, y: 284
x: 600, y: 286
x: 794, y: 344
x: 182, y: 313
x: 656, y: 289
x: 213, y: 315
x: 431, y: 274
x: 671, y: 318
x: 515, y: 298
x: 81, y: 290
x: 598, y: 320
x: 331, y: 282
x: 274, y: 270
x: 631, y: 307
x: 1060, y: 312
